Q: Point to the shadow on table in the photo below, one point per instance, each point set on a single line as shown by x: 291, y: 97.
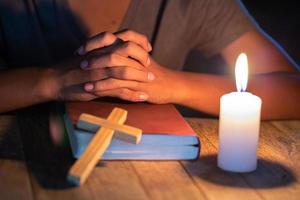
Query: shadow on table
x: 10, y: 141
x: 24, y: 136
x: 48, y: 157
x: 267, y: 175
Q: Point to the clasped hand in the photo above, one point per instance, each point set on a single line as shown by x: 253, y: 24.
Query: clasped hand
x: 117, y: 65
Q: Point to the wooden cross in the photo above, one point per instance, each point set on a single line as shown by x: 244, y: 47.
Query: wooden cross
x: 81, y: 169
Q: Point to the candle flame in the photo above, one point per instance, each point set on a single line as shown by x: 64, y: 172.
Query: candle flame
x: 241, y: 72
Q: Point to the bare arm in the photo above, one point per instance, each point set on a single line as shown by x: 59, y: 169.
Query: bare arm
x: 23, y: 87
x: 279, y: 92
x: 32, y: 85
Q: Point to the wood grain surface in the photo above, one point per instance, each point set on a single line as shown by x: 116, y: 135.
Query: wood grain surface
x: 34, y: 165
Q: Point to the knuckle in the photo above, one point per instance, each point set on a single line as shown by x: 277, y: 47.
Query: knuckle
x: 124, y: 73
x: 98, y: 86
x: 133, y: 35
x: 116, y: 73
x: 91, y: 75
x: 123, y: 92
x: 113, y: 58
x: 97, y: 74
x: 128, y: 46
x: 130, y: 32
x: 101, y: 86
x: 99, y: 94
x: 89, y: 44
x: 92, y: 62
x: 109, y: 72
x: 107, y: 36
x: 135, y: 84
x: 111, y: 83
x: 144, y: 38
x: 126, y: 94
x: 133, y: 96
x: 86, y: 97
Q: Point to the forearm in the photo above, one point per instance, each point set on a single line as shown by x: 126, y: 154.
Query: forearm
x: 24, y: 87
x: 279, y: 93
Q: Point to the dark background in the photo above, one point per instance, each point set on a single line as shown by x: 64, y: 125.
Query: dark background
x: 281, y: 20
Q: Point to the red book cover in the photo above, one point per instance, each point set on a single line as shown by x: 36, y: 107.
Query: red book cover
x: 151, y: 118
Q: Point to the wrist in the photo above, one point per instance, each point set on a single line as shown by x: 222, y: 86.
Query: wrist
x: 179, y: 89
x: 48, y: 86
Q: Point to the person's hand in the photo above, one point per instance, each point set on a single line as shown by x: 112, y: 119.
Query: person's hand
x: 163, y: 89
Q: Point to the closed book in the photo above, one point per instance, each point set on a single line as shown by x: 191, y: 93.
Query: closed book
x: 166, y: 134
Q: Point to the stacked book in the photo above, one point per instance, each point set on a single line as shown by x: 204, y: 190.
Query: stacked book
x: 166, y: 134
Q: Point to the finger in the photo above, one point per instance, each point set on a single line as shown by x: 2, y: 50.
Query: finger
x: 125, y: 94
x: 103, y: 50
x: 123, y: 72
x: 140, y: 39
x: 128, y: 73
x: 75, y: 92
x: 110, y: 84
x: 134, y: 51
x: 97, y: 75
x: 110, y: 60
x: 80, y: 76
x: 84, y: 96
x: 101, y: 40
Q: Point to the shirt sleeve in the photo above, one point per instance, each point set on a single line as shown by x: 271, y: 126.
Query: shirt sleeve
x: 222, y: 21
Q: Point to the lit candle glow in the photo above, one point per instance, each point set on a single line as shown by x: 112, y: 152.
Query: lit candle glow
x: 239, y: 124
x: 241, y: 73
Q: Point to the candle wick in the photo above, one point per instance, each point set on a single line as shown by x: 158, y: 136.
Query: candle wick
x: 241, y: 90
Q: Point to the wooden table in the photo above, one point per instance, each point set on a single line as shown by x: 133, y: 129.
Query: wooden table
x: 33, y: 167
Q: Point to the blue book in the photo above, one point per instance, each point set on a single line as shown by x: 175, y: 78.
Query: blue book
x: 166, y: 134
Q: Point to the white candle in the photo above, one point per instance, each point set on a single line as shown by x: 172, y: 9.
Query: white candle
x: 239, y: 124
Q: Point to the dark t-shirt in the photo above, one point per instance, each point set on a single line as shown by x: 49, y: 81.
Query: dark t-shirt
x: 42, y: 32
